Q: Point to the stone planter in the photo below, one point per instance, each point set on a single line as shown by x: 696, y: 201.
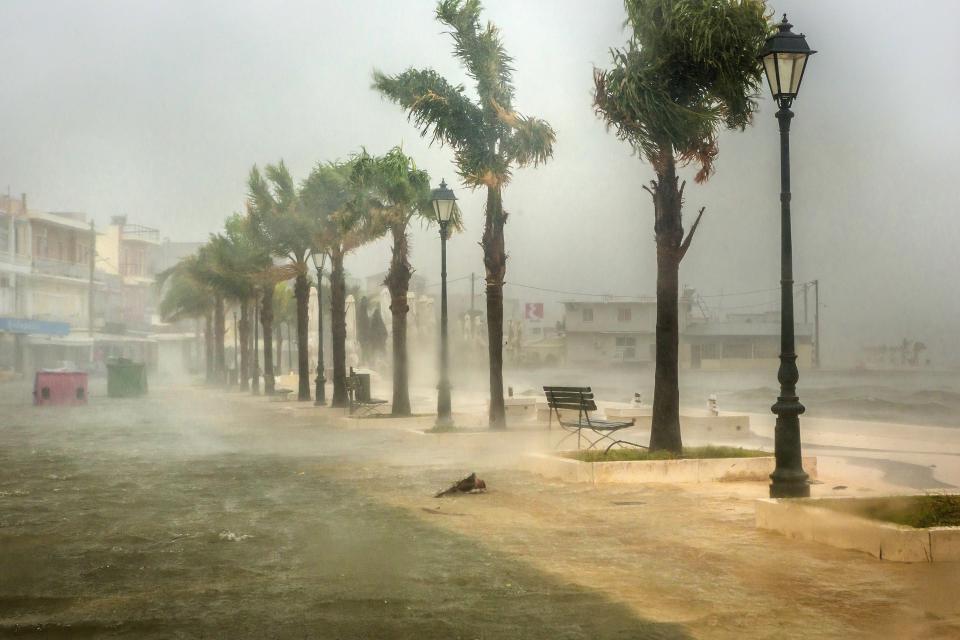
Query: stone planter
x: 658, y: 471
x: 697, y: 424
x: 803, y: 519
x: 520, y: 409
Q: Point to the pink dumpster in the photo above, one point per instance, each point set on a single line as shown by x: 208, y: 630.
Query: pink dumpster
x: 60, y: 387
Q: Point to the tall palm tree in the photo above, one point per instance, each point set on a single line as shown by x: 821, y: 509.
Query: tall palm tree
x: 689, y: 70
x: 488, y: 139
x: 339, y: 197
x: 288, y: 232
x: 403, y: 192
x: 267, y: 201
x: 183, y: 296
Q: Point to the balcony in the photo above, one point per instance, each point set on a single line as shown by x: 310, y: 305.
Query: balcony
x: 140, y: 233
x: 62, y: 268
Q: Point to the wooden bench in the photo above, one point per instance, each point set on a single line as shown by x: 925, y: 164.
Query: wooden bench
x: 581, y: 399
x: 358, y: 396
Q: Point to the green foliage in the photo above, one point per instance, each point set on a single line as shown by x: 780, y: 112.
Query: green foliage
x: 488, y: 136
x: 340, y: 199
x: 238, y: 262
x: 689, y: 69
x: 184, y: 293
x: 911, y: 511
x: 693, y: 453
x: 278, y: 220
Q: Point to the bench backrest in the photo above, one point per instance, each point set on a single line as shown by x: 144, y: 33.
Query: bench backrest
x: 579, y: 398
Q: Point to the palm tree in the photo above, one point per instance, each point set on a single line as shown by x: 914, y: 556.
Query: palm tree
x: 339, y: 198
x: 288, y: 232
x: 183, y: 296
x: 403, y: 192
x: 688, y: 70
x: 488, y: 139
x: 238, y: 266
x: 267, y: 201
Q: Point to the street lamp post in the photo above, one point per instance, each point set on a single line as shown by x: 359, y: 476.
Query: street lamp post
x: 320, y: 391
x: 443, y: 203
x: 784, y: 59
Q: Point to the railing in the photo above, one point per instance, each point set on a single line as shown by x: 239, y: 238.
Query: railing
x: 12, y: 258
x: 142, y: 233
x: 61, y: 268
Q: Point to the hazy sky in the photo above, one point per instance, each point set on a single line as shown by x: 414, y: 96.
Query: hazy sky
x: 158, y: 110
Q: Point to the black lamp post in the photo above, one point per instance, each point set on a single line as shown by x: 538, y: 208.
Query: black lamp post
x: 320, y: 390
x: 784, y: 59
x: 443, y: 202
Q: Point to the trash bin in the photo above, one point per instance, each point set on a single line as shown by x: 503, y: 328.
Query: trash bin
x: 363, y: 387
x: 126, y: 378
x: 60, y: 387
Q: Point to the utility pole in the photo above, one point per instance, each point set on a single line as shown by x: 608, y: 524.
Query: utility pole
x: 806, y: 286
x: 816, y: 323
x: 93, y: 266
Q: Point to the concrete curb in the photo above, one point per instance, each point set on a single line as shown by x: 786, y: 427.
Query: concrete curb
x: 658, y: 471
x: 802, y: 519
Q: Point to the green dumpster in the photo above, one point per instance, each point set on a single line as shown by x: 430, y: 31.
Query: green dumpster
x: 126, y: 378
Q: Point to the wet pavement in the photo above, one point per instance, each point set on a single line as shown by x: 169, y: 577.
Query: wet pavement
x: 200, y: 513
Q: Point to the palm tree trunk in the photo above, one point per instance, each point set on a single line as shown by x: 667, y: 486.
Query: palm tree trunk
x: 398, y: 283
x: 219, y: 331
x: 668, y: 228
x: 266, y: 322
x: 243, y: 329
x: 208, y: 340
x: 338, y: 329
x: 280, y: 349
x: 301, y: 290
x: 495, y: 261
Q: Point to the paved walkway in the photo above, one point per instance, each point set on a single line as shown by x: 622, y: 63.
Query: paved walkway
x: 199, y: 513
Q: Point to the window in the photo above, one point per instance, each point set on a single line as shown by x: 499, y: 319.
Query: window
x: 626, y: 342
x: 766, y: 349
x: 624, y: 315
x: 588, y: 315
x: 737, y: 350
x: 709, y: 352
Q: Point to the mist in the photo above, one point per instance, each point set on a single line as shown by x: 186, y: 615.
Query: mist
x: 158, y: 111
x: 255, y: 491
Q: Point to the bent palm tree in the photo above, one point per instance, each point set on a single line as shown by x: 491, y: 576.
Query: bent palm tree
x: 403, y: 192
x: 689, y: 69
x: 288, y: 232
x: 184, y: 295
x: 339, y: 199
x: 488, y: 138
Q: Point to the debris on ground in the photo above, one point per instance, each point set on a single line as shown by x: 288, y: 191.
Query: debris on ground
x: 470, y: 484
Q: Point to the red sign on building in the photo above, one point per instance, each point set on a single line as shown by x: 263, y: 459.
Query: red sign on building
x: 533, y: 311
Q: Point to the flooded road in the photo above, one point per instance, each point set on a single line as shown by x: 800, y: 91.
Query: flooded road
x: 205, y: 514
x: 155, y: 519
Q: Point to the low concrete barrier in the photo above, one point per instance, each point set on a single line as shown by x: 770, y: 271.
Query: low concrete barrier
x: 520, y: 409
x: 803, y: 519
x: 693, y: 423
x: 659, y: 471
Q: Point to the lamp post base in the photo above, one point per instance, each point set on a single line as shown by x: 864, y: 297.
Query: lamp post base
x: 788, y: 479
x: 321, y: 399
